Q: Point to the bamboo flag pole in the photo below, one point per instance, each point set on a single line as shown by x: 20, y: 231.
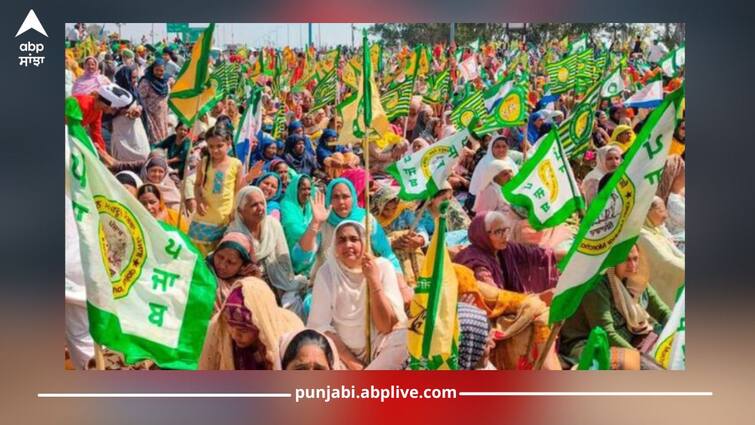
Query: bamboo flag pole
x: 185, y: 174
x: 99, y: 358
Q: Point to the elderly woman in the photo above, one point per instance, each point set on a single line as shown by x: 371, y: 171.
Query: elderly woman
x: 270, y: 247
x: 91, y: 80
x: 664, y: 259
x: 623, y: 304
x: 608, y: 160
x: 308, y: 350
x: 497, y: 262
x: 490, y: 197
x: 156, y: 172
x: 498, y: 149
x: 623, y: 136
x: 245, y: 333
x: 154, y: 89
x: 233, y: 259
x: 356, y: 301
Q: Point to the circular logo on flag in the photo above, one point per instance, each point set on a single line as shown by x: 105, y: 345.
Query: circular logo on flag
x: 510, y: 109
x: 581, y: 126
x: 122, y: 244
x: 612, y: 88
x: 430, y: 159
x: 607, y: 227
x: 467, y: 117
x: 563, y: 74
x: 391, y: 102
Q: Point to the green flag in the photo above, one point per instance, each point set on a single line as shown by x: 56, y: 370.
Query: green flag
x: 585, y: 72
x: 575, y: 131
x: 562, y: 74
x: 423, y: 172
x: 396, y: 100
x: 325, y: 91
x: 670, y: 349
x: 366, y: 103
x: 596, y: 355
x: 613, y: 85
x: 149, y: 291
x: 578, y: 45
x: 470, y: 111
x: 613, y: 221
x: 279, y: 123
x: 438, y: 88
x: 545, y: 185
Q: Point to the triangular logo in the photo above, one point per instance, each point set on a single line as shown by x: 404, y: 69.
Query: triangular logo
x: 31, y: 22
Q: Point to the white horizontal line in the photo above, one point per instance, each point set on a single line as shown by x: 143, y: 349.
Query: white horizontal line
x: 164, y: 395
x: 589, y: 393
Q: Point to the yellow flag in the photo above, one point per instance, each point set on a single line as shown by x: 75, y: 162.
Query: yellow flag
x: 194, y: 75
x: 433, y: 337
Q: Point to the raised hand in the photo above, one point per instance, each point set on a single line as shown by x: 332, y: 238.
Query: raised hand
x: 319, y: 212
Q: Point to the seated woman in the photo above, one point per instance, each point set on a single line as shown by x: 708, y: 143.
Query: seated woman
x: 341, y: 196
x: 308, y: 350
x: 156, y: 171
x: 281, y: 168
x: 149, y: 196
x: 672, y: 190
x: 358, y: 178
x: 623, y: 136
x: 297, y: 156
x: 271, y: 186
x: 302, y: 213
x: 356, y: 301
x: 245, y: 333
x: 623, y: 303
x: 490, y: 197
x: 334, y: 158
x: 130, y: 181
x: 506, y: 265
x: 232, y: 260
x: 665, y: 261
x: 608, y: 160
x: 497, y: 150
x: 270, y: 247
x: 475, y: 338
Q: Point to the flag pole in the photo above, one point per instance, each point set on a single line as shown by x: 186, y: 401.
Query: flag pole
x: 555, y: 329
x: 185, y: 174
x: 572, y: 184
x: 99, y: 358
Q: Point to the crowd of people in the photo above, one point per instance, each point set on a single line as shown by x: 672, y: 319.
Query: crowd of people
x: 283, y: 229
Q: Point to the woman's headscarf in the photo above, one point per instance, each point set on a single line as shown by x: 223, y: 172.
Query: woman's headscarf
x: 483, y: 175
x: 383, y: 196
x: 289, y: 337
x: 259, y: 153
x: 130, y: 178
x: 620, y: 129
x: 267, y: 249
x: 304, y: 162
x: 250, y: 302
x: 159, y: 85
x: 533, y: 133
x: 91, y: 80
x: 601, y: 168
x: 481, y: 252
x: 294, y: 217
x: 473, y: 334
x: 272, y: 203
x: 358, y: 178
x: 356, y: 213
x: 674, y: 168
x: 323, y: 149
x: 124, y: 80
x: 167, y: 187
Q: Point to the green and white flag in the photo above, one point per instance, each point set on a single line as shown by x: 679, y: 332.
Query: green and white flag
x: 422, y: 173
x: 613, y: 85
x: 396, y: 100
x: 149, y: 292
x: 545, y: 185
x: 325, y: 91
x: 562, y: 74
x: 614, y: 219
x: 509, y: 110
x: 670, y: 350
x: 578, y: 45
x: 574, y: 132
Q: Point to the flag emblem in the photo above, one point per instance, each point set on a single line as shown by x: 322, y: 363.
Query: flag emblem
x: 602, y: 235
x: 548, y: 176
x: 430, y: 158
x: 563, y: 74
x: 580, y: 127
x: 467, y: 117
x: 510, y: 108
x: 121, y: 244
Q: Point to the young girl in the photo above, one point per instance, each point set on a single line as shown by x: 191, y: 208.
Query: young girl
x: 218, y: 179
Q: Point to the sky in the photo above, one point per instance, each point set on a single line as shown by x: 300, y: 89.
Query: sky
x: 254, y: 35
